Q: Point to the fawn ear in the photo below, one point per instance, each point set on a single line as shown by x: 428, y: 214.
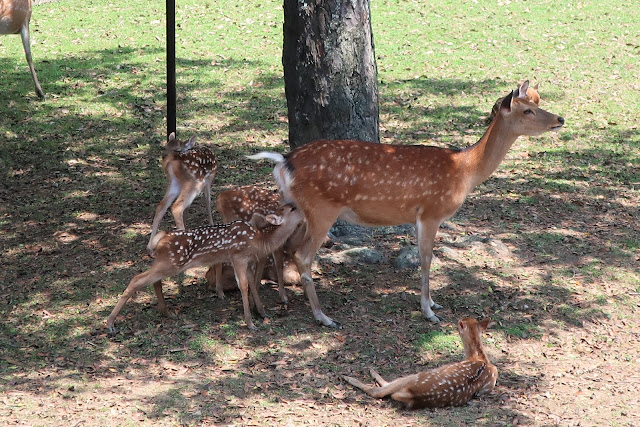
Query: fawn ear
x: 258, y: 220
x: 190, y: 143
x: 460, y: 325
x: 522, y: 89
x: 484, y: 323
x: 536, y: 86
x: 274, y: 219
x: 172, y: 136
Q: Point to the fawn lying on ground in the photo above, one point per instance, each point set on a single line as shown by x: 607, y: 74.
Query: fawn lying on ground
x: 449, y: 385
x: 380, y: 184
x: 238, y: 242
x: 241, y: 204
x: 189, y: 169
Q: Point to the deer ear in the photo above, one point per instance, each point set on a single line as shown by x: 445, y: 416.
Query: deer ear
x: 506, y: 103
x: 172, y: 136
x: 258, y: 220
x: 190, y: 143
x: 484, y: 324
x: 460, y: 325
x: 522, y: 90
x: 274, y: 219
x: 536, y: 86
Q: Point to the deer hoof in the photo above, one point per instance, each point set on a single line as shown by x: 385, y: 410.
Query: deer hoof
x: 333, y: 324
x: 436, y: 306
x: 433, y: 319
x: 111, y: 331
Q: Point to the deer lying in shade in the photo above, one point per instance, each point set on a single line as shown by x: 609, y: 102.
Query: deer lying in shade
x: 449, y: 385
x: 380, y: 184
x: 238, y: 242
x: 14, y: 18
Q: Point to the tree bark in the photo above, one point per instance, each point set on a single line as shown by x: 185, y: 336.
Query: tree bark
x: 330, y: 71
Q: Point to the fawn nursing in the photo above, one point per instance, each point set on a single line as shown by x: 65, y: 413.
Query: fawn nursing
x: 238, y: 242
x: 241, y: 204
x: 450, y: 385
x: 381, y: 184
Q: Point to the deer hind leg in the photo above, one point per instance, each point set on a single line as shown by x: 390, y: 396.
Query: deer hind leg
x: 188, y: 193
x: 207, y: 196
x: 318, y: 226
x: 26, y: 43
x: 426, y: 230
x: 154, y: 275
x: 173, y: 189
x: 278, y: 261
x: 378, y: 378
x: 393, y: 388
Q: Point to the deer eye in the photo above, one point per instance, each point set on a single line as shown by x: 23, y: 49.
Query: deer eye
x: 528, y: 111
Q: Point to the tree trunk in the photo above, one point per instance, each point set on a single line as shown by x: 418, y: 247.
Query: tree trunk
x: 330, y: 71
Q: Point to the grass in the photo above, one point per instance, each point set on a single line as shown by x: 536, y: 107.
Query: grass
x: 81, y: 178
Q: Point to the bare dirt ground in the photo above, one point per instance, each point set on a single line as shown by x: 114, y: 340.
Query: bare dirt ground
x: 557, y: 270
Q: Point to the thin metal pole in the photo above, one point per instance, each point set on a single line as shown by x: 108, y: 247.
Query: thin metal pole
x: 171, y: 67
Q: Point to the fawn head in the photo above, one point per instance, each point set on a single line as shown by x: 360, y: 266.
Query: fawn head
x: 470, y: 331
x: 524, y: 115
x: 177, y: 145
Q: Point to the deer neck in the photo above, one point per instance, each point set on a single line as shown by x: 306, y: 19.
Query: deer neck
x: 473, y: 350
x: 484, y: 157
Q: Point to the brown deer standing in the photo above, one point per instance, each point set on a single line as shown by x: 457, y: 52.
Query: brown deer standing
x: 189, y: 169
x: 532, y: 95
x: 380, y: 184
x: 238, y: 242
x: 450, y: 385
x: 14, y: 18
x: 241, y: 204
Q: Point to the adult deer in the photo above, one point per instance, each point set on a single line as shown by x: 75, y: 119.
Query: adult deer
x: 241, y: 204
x: 238, y: 242
x: 450, y: 385
x: 379, y: 184
x: 189, y: 169
x: 14, y: 18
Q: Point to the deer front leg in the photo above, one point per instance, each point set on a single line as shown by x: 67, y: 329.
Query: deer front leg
x: 240, y: 270
x: 26, y: 43
x: 426, y: 230
x: 254, y: 285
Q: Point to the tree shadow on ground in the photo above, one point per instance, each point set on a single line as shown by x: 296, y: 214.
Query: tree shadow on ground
x: 81, y: 191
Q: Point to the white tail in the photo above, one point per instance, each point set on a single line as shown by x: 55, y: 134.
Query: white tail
x: 14, y: 18
x: 450, y: 385
x: 189, y: 169
x: 241, y: 204
x: 238, y: 242
x: 379, y: 184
